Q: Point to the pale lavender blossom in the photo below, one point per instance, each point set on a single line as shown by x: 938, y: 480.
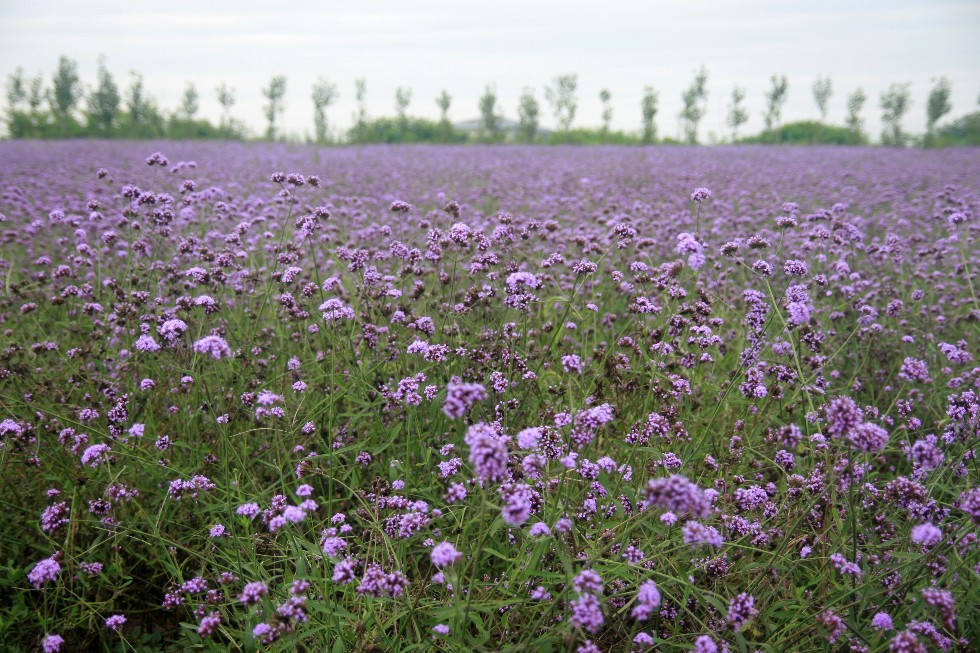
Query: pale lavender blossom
x: 115, y: 622
x: 45, y: 571
x: 445, y: 554
x: 926, y: 534
x: 95, y: 455
x: 52, y: 643
x: 214, y: 346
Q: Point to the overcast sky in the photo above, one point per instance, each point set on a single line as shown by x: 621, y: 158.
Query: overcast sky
x: 463, y: 46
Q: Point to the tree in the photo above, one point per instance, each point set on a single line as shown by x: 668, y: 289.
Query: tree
x: 188, y: 102
x: 938, y: 105
x: 35, y: 97
x: 360, y: 117
x: 142, y: 118
x: 65, y: 94
x: 136, y: 103
x: 403, y: 97
x: 695, y: 99
x: 324, y: 94
x: 894, y: 104
x: 443, y: 101
x: 274, y: 94
x: 607, y: 112
x: 103, y: 102
x: 855, y: 102
x: 184, y: 124
x: 488, y: 115
x: 823, y: 88
x: 18, y: 122
x: 737, y: 114
x: 648, y: 107
x: 24, y: 93
x: 527, y: 115
x: 776, y: 97
x: 964, y: 130
x: 226, y: 98
x: 561, y: 97
x: 16, y: 90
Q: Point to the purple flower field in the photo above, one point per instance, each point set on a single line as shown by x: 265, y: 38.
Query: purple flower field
x: 271, y: 397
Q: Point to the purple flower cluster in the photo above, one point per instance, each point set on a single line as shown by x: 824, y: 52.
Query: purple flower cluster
x: 45, y: 571
x: 624, y: 362
x: 460, y: 397
x: 214, y: 346
x: 445, y: 554
x: 488, y: 452
x: 647, y: 601
x: 678, y: 495
x: 587, y: 608
x: 740, y: 610
x: 377, y: 583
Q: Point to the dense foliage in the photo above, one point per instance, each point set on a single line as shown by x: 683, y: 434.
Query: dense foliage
x: 809, y: 132
x: 962, y: 131
x: 65, y: 109
x: 488, y: 399
x: 409, y: 130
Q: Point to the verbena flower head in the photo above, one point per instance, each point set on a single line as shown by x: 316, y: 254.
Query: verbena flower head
x: 740, y: 610
x: 445, y: 554
x: 688, y: 244
x: 115, y: 622
x: 518, y: 503
x: 147, y: 343
x: 795, y: 268
x: 209, y: 624
x: 833, y: 624
x: 678, y: 495
x: 643, y: 639
x: 868, y: 437
x: 214, y: 346
x: 647, y: 601
x: 914, y: 369
x: 571, y: 363
x: 943, y: 600
x: 172, y: 330
x: 488, y: 452
x: 588, y: 581
x: 882, y: 621
x: 253, y: 592
x: 517, y: 279
x: 334, y: 310
x: 842, y: 415
x: 906, y: 642
x: 587, y: 613
x: 377, y: 583
x: 704, y: 644
x: 461, y: 396
x: 926, y: 534
x: 95, y: 455
x: 696, y: 534
x: 539, y: 529
x: 52, y: 643
x: 45, y: 571
x: 700, y: 194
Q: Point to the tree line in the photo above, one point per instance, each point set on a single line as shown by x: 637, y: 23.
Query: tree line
x: 65, y: 109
